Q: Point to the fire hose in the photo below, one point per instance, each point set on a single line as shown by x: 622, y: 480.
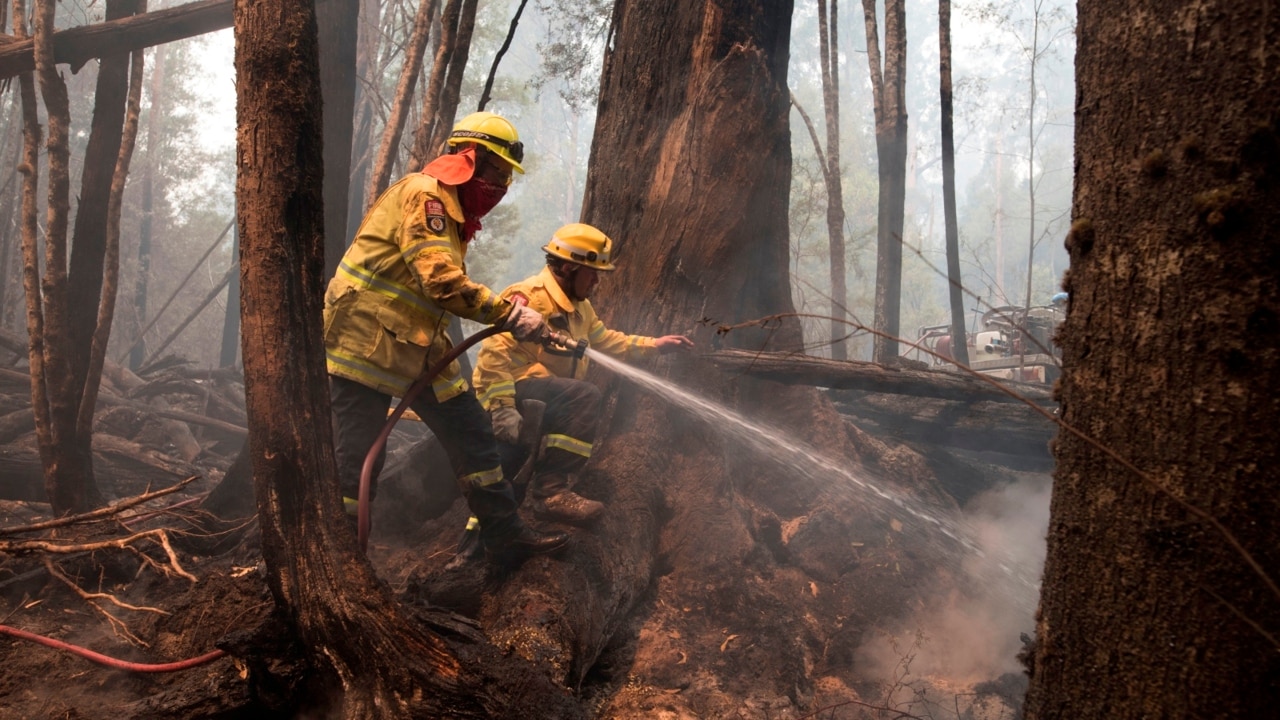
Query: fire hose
x: 548, y: 337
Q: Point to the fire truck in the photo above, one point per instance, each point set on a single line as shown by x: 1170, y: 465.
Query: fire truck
x: 1013, y: 343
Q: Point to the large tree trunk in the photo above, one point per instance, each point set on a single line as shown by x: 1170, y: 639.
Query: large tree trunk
x: 1159, y: 596
x: 364, y: 658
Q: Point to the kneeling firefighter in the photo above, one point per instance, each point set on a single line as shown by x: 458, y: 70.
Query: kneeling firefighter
x: 510, y: 371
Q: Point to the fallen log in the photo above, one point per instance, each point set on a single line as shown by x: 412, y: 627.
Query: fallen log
x: 794, y: 369
x: 981, y: 426
x: 120, y: 467
x: 76, y: 46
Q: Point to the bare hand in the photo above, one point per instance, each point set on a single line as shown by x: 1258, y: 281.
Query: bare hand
x: 674, y: 343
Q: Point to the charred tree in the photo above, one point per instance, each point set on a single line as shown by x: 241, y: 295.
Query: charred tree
x: 888, y: 89
x: 1160, y: 589
x: 363, y: 657
x: 85, y: 280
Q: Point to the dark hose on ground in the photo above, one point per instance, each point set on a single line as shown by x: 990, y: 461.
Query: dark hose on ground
x: 110, y: 661
x: 366, y: 472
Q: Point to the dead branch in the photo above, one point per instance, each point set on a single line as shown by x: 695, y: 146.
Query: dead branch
x: 100, y: 513
x: 158, y: 536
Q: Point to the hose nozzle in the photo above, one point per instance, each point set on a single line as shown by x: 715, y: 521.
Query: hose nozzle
x: 553, y: 338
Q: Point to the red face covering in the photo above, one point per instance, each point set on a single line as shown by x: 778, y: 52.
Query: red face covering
x: 478, y: 197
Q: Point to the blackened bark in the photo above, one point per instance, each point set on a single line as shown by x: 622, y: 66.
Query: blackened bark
x: 89, y: 239
x: 1159, y: 596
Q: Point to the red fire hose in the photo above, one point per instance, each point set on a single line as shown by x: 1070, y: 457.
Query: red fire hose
x: 548, y: 337
x: 366, y: 472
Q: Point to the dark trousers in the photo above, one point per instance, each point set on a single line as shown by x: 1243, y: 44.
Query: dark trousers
x: 461, y: 425
x: 573, y: 409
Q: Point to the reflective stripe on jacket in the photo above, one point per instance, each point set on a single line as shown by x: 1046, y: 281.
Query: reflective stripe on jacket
x: 503, y: 361
x: 386, y: 311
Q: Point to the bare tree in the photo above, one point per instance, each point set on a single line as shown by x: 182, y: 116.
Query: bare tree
x: 888, y: 87
x: 416, y: 47
x: 440, y: 101
x: 1160, y: 594
x: 829, y: 52
x: 55, y: 396
x: 959, y: 346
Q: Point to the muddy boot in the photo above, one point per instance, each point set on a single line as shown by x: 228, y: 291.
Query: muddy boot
x: 568, y: 507
x: 519, y: 541
x: 554, y: 501
x: 470, y: 549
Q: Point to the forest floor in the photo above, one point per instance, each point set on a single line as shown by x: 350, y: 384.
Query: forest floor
x: 828, y: 617
x: 131, y: 611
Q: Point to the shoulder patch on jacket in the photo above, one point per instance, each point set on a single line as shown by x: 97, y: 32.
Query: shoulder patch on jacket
x: 435, y: 216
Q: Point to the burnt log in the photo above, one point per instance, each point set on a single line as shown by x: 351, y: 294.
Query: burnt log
x: 122, y: 468
x: 796, y: 369
x: 980, y: 426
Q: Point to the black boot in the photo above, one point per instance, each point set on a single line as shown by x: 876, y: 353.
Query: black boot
x: 520, y: 541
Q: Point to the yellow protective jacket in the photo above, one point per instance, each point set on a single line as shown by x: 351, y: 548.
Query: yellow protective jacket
x: 387, y: 307
x: 503, y: 361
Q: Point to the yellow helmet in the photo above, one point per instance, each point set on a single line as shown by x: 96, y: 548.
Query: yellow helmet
x: 492, y: 131
x: 582, y: 244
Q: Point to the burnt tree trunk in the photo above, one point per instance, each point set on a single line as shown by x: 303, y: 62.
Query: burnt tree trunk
x: 1159, y: 596
x: 363, y: 656
x: 85, y: 281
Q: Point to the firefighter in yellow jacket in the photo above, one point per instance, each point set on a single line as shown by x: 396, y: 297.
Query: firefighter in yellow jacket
x: 387, y: 310
x: 509, y: 370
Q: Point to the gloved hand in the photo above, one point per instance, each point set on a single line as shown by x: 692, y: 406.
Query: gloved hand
x: 524, y: 323
x: 506, y: 424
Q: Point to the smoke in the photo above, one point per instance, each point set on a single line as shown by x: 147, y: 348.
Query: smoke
x: 971, y: 631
